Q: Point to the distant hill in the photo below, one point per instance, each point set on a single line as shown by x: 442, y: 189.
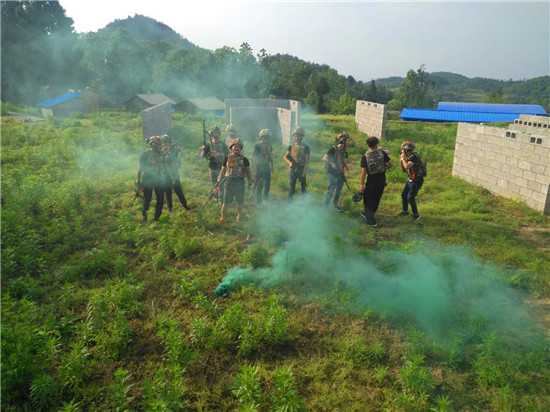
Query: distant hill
x: 456, y: 87
x: 143, y: 28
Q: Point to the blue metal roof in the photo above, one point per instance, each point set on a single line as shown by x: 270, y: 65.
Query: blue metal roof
x: 492, y: 108
x: 456, y: 116
x: 59, y: 99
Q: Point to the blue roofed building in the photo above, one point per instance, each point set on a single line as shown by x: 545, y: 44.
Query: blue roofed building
x: 472, y: 112
x: 67, y: 103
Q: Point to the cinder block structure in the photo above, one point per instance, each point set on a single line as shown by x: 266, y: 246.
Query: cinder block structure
x: 371, y: 118
x: 251, y: 115
x: 513, y: 162
x: 156, y: 120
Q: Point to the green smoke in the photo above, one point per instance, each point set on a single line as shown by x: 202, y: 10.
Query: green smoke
x: 444, y: 290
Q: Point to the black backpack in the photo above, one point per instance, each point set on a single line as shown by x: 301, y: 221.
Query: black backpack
x: 422, y: 168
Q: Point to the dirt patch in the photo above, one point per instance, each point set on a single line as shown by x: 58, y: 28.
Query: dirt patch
x: 539, y: 237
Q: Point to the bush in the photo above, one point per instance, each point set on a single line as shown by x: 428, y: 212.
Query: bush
x: 44, y: 392
x: 255, y: 255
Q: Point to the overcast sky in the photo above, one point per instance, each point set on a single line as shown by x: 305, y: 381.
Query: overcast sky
x: 500, y: 40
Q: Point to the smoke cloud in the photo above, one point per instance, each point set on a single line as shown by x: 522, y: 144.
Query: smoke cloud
x: 443, y: 290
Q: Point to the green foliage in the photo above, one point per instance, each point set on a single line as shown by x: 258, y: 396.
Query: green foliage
x: 185, y: 247
x: 255, y: 256
x: 176, y: 349
x: 246, y: 388
x: 166, y: 391
x: 75, y: 366
x: 118, y: 391
x: 44, y: 392
x: 186, y: 287
x: 285, y: 398
x: 415, y: 377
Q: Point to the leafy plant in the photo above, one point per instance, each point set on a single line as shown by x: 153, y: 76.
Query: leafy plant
x: 285, y: 398
x: 416, y: 378
x: 75, y: 366
x: 247, y: 388
x: 44, y: 392
x: 119, y: 391
x: 186, y: 247
x: 255, y: 255
x: 166, y: 391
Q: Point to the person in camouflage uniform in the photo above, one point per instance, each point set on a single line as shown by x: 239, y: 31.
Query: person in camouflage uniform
x: 297, y: 157
x: 263, y: 165
x: 215, y: 152
x: 231, y: 133
x: 374, y: 164
x: 152, y: 175
x: 235, y: 167
x: 173, y: 165
x: 335, y: 160
x: 410, y: 164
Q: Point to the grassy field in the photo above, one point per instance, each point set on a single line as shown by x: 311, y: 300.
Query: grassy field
x: 103, y: 312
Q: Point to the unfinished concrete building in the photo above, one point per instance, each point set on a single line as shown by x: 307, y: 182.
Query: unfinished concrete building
x: 512, y: 162
x: 371, y: 118
x: 249, y: 116
x: 156, y: 120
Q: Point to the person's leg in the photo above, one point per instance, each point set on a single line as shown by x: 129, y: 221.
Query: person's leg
x: 259, y: 187
x: 179, y: 192
x: 411, y: 198
x: 331, y: 187
x: 267, y: 183
x: 168, y: 193
x: 239, y: 197
x: 378, y: 192
x: 303, y: 183
x: 404, y: 199
x: 147, y: 196
x: 339, y: 187
x: 368, y: 203
x: 159, y: 194
x: 291, y: 183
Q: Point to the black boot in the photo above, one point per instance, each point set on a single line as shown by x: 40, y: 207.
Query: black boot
x: 144, y: 216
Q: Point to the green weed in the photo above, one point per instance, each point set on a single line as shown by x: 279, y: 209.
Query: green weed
x: 285, y: 398
x: 44, y: 392
x: 246, y: 388
x: 118, y: 391
x: 255, y: 256
x: 415, y: 377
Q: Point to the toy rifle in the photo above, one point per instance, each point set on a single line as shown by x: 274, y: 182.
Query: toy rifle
x: 215, y: 191
x: 139, y: 191
x: 295, y: 168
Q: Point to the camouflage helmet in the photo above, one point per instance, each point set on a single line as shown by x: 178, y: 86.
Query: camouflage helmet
x: 235, y: 141
x: 230, y: 128
x: 154, y: 141
x: 342, y: 137
x: 408, y: 146
x: 165, y: 138
x: 299, y: 131
x: 264, y: 133
x: 214, y: 130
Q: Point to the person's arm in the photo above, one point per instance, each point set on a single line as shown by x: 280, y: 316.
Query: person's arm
x: 222, y: 171
x: 405, y: 165
x: 205, y: 150
x: 247, y: 170
x: 287, y: 154
x: 363, y: 176
x: 140, y: 170
x: 306, y: 165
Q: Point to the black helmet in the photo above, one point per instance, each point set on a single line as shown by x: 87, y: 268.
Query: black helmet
x: 357, y: 197
x: 342, y: 137
x: 214, y: 130
x: 408, y: 146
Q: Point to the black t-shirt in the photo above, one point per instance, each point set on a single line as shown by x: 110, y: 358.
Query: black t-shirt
x: 211, y: 160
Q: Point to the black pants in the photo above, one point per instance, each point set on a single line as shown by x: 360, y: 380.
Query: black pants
x: 296, y: 174
x: 374, y: 189
x: 148, y: 195
x: 179, y: 192
x: 408, y: 195
x: 263, y: 182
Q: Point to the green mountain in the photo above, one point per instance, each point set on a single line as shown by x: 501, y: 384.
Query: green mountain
x: 143, y: 28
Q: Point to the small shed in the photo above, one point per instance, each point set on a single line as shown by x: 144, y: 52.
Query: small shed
x: 140, y: 102
x: 67, y: 103
x: 208, y: 105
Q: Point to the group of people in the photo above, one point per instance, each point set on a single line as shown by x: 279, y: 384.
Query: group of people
x: 159, y: 171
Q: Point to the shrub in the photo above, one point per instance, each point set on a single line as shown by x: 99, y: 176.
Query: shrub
x: 187, y: 288
x: 184, y: 248
x: 44, y: 392
x: 246, y: 388
x: 75, y: 366
x: 165, y: 392
x: 255, y: 255
x: 118, y: 391
x: 415, y: 377
x: 286, y: 397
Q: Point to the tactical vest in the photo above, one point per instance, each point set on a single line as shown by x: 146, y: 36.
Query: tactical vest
x: 153, y: 168
x: 375, y: 161
x: 265, y: 154
x: 235, y: 166
x: 299, y: 154
x: 217, y: 153
x: 340, y: 156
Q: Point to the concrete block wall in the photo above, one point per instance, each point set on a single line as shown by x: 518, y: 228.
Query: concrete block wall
x: 230, y: 103
x: 508, y: 162
x: 371, y: 118
x: 537, y: 125
x: 156, y: 120
x: 279, y: 116
x: 285, y: 123
x: 250, y: 120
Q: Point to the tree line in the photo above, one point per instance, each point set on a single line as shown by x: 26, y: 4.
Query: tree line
x: 43, y: 56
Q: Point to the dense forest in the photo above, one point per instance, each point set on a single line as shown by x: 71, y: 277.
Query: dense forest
x: 43, y: 56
